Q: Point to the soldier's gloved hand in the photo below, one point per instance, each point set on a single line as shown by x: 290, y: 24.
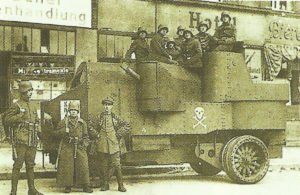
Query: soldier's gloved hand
x: 22, y: 110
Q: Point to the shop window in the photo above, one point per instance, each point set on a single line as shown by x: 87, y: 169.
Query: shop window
x: 281, y: 5
x: 45, y: 41
x: 5, y: 38
x: 253, y: 61
x: 62, y: 42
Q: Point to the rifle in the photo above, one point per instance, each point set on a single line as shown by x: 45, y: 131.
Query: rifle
x: 13, y: 146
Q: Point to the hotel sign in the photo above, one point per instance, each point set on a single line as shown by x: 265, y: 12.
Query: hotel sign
x: 57, y: 12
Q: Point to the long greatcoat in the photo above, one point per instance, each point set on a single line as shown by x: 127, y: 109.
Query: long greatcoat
x: 72, y: 170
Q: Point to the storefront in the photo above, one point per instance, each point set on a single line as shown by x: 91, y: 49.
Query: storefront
x: 42, y: 41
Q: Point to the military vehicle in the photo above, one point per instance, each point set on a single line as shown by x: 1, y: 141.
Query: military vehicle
x: 214, y: 117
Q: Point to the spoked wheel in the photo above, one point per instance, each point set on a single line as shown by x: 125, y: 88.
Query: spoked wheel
x: 205, y: 169
x: 245, y: 159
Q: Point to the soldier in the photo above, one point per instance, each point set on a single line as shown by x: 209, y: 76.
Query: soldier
x: 191, y: 50
x: 139, y: 46
x: 173, y: 50
x: 22, y: 117
x: 204, y: 38
x: 225, y: 35
x: 158, y: 46
x: 109, y: 130
x: 72, y: 155
x: 180, y: 39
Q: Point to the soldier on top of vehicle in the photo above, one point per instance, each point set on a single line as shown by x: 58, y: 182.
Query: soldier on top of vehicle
x: 191, y: 50
x: 204, y: 38
x: 23, y: 118
x: 72, y: 155
x: 158, y: 50
x: 225, y: 34
x: 173, y: 50
x: 180, y: 39
x: 139, y: 46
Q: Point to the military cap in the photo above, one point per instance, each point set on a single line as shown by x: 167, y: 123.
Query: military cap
x: 108, y: 101
x: 179, y: 28
x: 74, y: 105
x: 206, y: 23
x: 188, y: 31
x: 225, y: 13
x: 25, y: 86
x: 160, y: 27
x: 141, y: 29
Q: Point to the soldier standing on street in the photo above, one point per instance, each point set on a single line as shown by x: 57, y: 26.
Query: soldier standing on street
x: 72, y: 155
x: 225, y: 35
x: 180, y: 39
x: 139, y: 46
x: 158, y: 46
x: 191, y: 50
x: 204, y: 38
x: 109, y: 130
x: 22, y: 117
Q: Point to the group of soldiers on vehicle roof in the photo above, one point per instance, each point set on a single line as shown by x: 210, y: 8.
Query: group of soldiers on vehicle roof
x: 187, y: 48
x: 107, y: 131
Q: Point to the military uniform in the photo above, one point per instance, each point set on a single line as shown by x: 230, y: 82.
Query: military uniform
x: 157, y: 49
x: 174, y: 51
x: 109, y: 130
x: 73, y: 166
x: 23, y: 119
x: 72, y: 170
x: 180, y: 39
x: 140, y: 47
x: 192, y: 52
x: 225, y: 35
x: 205, y: 40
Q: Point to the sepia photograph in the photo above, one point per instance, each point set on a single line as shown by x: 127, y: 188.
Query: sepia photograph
x: 150, y: 97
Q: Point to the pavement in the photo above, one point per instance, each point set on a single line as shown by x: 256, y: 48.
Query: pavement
x: 289, y: 161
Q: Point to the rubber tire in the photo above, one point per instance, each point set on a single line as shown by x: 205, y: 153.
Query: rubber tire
x: 228, y: 159
x: 205, y: 169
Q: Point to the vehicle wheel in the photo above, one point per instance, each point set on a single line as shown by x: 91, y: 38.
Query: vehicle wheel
x: 204, y: 168
x: 245, y: 159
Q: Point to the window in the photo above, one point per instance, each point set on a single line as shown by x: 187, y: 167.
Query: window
x: 281, y: 5
x: 45, y: 41
x: 13, y: 38
x: 254, y: 63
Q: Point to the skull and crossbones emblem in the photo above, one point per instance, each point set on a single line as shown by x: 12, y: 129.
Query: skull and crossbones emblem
x: 199, y: 117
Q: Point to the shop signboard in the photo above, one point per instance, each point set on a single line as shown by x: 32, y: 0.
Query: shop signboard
x: 76, y: 13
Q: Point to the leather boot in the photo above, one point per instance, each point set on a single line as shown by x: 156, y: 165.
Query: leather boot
x: 105, y: 185
x: 68, y: 189
x: 30, y: 182
x: 87, y: 189
x: 14, y: 181
x: 121, y: 187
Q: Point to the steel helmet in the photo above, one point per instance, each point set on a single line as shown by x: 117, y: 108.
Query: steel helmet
x: 25, y: 86
x: 160, y: 27
x: 74, y: 105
